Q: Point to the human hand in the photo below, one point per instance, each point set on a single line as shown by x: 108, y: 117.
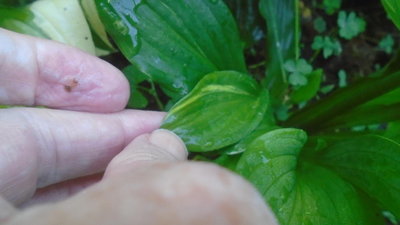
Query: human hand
x: 48, y: 155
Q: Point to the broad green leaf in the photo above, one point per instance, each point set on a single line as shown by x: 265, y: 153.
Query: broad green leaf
x: 19, y: 20
x: 383, y: 109
x: 100, y: 38
x: 242, y: 145
x: 365, y: 115
x: 223, y: 108
x: 371, y: 163
x: 64, y: 21
x: 393, y: 131
x: 350, y: 25
x: 392, y: 8
x: 299, y: 192
x: 283, y: 34
x: 175, y: 42
x: 315, y: 116
x: 248, y: 18
x: 308, y: 91
x: 228, y: 161
x: 15, y: 3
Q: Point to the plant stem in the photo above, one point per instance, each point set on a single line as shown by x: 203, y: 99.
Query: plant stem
x: 153, y: 92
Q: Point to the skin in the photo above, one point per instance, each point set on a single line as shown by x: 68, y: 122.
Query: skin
x: 86, y: 160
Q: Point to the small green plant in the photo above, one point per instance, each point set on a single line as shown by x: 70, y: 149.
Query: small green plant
x: 386, y: 44
x: 328, y: 45
x: 315, y: 159
x: 350, y: 25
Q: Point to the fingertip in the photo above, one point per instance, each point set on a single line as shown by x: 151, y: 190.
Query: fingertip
x: 160, y: 146
x: 169, y: 141
x: 72, y: 79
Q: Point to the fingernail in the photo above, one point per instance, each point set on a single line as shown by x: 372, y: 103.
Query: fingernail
x: 169, y: 141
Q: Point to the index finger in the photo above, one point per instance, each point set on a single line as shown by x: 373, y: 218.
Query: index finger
x: 42, y: 72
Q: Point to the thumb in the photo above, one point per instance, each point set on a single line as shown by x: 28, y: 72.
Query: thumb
x: 159, y: 146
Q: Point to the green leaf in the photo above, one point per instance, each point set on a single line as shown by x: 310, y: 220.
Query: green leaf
x: 372, y: 163
x: 320, y: 24
x: 249, y: 20
x: 137, y: 100
x: 175, y: 42
x: 63, y: 21
x: 314, y: 117
x: 393, y: 131
x: 58, y: 20
x: 329, y: 46
x: 386, y: 44
x: 19, y: 20
x: 228, y: 161
x: 223, y: 108
x: 342, y: 75
x: 298, y: 72
x: 392, y: 8
x: 364, y: 115
x: 350, y: 25
x: 308, y: 91
x: 331, y: 6
x: 15, y: 3
x: 382, y: 109
x: 327, y: 88
x: 299, y: 192
x: 103, y: 44
x: 283, y: 35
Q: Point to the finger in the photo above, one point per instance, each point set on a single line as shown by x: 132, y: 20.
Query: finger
x: 61, y: 191
x: 42, y: 72
x: 147, y: 149
x: 160, y: 145
x: 6, y: 210
x: 163, y: 193
x: 41, y: 147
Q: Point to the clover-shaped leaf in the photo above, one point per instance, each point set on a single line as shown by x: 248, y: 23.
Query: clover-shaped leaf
x: 298, y: 71
x: 320, y: 25
x: 386, y: 44
x: 328, y: 45
x: 350, y: 25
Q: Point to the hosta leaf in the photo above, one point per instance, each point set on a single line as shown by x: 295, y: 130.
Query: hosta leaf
x: 15, y: 2
x: 175, y: 42
x: 100, y: 38
x: 392, y: 8
x: 223, y: 107
x: 248, y: 18
x: 382, y: 109
x: 299, y: 192
x: 315, y: 116
x: 393, y: 131
x: 63, y: 21
x: 58, y: 20
x: 19, y: 20
x: 282, y: 19
x: 365, y: 115
x: 372, y: 163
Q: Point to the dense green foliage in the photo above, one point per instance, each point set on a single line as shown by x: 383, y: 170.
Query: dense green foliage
x: 317, y: 156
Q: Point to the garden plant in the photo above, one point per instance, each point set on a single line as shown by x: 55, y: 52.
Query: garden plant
x: 247, y: 85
